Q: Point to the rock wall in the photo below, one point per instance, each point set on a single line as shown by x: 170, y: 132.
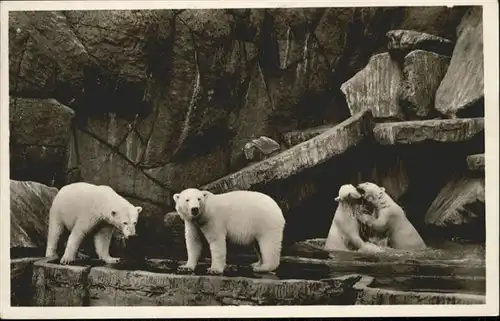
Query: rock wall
x: 153, y: 101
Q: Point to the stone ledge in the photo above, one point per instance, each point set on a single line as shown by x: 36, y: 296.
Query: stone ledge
x: 59, y: 285
x: 476, y: 162
x: 119, y: 287
x: 303, y: 156
x: 298, y: 281
x: 295, y: 137
x: 21, y: 272
x: 439, y: 130
x: 377, y: 296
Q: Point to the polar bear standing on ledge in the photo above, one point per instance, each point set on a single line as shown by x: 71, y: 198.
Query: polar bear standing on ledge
x: 82, y: 208
x: 391, y: 219
x: 345, y: 228
x: 243, y: 217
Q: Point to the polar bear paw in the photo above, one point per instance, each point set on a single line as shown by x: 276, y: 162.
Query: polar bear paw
x: 371, y: 248
x: 185, y: 269
x: 214, y: 271
x: 67, y: 259
x: 111, y: 260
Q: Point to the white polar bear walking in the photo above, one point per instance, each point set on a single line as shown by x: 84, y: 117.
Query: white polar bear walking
x: 390, y: 219
x: 82, y: 208
x: 242, y: 217
x: 344, y: 233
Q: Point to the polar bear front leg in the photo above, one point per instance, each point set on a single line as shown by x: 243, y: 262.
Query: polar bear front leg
x: 193, y: 246
x: 102, y: 241
x: 378, y: 224
x: 218, y: 254
x: 76, y: 236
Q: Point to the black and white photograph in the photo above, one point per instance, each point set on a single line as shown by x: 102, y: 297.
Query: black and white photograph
x: 284, y: 159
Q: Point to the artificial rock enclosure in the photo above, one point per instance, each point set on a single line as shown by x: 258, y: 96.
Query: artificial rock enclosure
x: 154, y: 101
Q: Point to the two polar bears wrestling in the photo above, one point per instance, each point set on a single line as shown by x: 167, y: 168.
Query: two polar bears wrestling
x: 87, y: 209
x: 388, y: 219
x: 242, y: 217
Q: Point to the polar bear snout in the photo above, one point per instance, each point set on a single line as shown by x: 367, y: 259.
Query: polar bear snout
x: 195, y: 211
x: 128, y: 231
x: 360, y: 190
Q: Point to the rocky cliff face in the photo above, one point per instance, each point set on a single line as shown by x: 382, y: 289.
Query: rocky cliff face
x: 153, y: 101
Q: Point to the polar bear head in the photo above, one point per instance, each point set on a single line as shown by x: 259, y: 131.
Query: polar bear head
x: 347, y: 192
x: 190, y: 203
x: 124, y: 217
x: 371, y: 192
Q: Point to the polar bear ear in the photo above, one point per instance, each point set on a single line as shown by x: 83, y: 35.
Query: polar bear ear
x: 176, y: 197
x: 205, y: 193
x: 139, y: 209
x: 382, y: 189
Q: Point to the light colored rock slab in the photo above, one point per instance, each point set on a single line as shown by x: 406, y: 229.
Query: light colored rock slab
x: 439, y: 130
x: 422, y: 74
x: 476, y: 162
x: 377, y: 296
x: 375, y: 87
x: 463, y: 84
x: 452, y: 205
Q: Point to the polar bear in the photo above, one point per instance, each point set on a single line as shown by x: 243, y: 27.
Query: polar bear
x: 390, y: 218
x: 242, y: 217
x: 83, y: 209
x: 344, y: 233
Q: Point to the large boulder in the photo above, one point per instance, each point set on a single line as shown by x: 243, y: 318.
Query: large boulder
x: 459, y: 209
x: 405, y: 41
x: 376, y: 88
x: 440, y: 21
x: 422, y: 74
x: 39, y: 122
x: 30, y: 204
x: 462, y: 87
x: 39, y: 133
x: 45, y: 55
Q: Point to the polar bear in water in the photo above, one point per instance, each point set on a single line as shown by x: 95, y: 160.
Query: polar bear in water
x: 344, y: 233
x: 390, y: 218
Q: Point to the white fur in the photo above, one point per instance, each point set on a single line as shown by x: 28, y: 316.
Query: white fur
x: 344, y: 230
x: 242, y: 217
x: 390, y: 219
x: 79, y: 208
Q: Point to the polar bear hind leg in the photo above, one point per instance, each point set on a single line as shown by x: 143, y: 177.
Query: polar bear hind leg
x: 56, y: 228
x: 270, y: 250
x: 259, y: 255
x: 102, y: 241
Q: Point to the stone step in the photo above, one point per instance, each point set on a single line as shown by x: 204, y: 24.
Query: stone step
x: 438, y: 130
x: 303, y: 156
x: 476, y: 162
